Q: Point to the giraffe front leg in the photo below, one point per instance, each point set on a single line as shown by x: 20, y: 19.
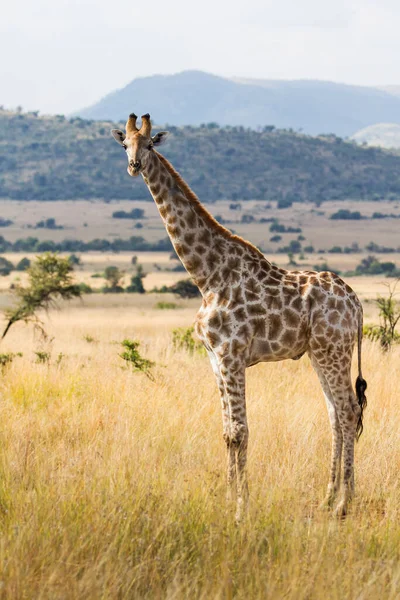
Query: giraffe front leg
x: 233, y: 377
x: 226, y: 426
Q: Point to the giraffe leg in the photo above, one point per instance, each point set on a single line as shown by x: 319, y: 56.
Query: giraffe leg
x: 337, y: 439
x: 226, y: 426
x: 233, y: 377
x: 348, y: 412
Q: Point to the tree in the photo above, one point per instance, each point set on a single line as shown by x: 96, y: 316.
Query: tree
x: 23, y: 264
x: 50, y: 279
x: 137, y: 282
x: 5, y: 266
x: 113, y: 276
x: 185, y: 288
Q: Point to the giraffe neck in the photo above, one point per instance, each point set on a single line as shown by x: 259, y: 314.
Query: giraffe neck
x: 203, y: 245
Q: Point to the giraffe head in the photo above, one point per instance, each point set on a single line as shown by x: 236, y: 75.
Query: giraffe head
x: 138, y: 143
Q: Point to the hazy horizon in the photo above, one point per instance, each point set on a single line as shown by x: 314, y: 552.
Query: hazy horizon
x: 63, y: 56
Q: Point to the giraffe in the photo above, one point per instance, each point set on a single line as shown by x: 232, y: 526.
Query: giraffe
x: 254, y: 311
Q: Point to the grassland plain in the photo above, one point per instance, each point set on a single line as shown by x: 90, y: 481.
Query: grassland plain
x: 113, y: 485
x: 89, y: 219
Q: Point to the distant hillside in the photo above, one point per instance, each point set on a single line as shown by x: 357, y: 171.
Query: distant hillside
x: 391, y: 89
x: 194, y: 97
x: 385, y: 135
x: 52, y: 158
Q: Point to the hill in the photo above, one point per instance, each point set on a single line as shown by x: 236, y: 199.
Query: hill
x: 194, y: 97
x: 53, y: 158
x: 385, y: 135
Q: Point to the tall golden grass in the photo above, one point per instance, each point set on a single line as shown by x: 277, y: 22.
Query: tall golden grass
x: 113, y: 485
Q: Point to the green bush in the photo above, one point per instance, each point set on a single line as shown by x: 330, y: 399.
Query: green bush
x: 134, y: 360
x: 182, y: 339
x: 389, y: 314
x: 166, y: 305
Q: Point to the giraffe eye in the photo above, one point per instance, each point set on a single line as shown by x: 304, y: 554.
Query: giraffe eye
x: 149, y: 147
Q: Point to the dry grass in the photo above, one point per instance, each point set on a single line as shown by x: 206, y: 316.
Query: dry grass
x: 112, y: 486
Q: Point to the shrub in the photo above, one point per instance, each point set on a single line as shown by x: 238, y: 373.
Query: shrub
x: 84, y: 288
x: 389, y: 315
x: 166, y: 305
x: 5, y: 266
x: 23, y: 264
x: 134, y: 360
x: 185, y: 288
x: 42, y: 358
x: 135, y: 213
x: 7, y: 358
x: 182, y: 339
x: 345, y: 214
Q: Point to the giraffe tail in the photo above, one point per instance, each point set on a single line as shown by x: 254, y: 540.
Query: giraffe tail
x: 361, y: 384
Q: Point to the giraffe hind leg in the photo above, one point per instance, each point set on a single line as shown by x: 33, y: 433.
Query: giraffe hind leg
x: 348, y: 411
x: 337, y: 439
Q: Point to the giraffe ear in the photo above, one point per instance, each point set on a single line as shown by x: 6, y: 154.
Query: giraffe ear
x: 159, y: 138
x: 118, y: 135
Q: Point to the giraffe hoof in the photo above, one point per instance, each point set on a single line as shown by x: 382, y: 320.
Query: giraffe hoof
x: 341, y: 510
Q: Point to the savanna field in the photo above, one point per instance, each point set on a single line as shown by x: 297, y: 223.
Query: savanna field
x: 112, y: 484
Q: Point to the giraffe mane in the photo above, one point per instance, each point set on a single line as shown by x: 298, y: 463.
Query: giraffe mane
x: 188, y: 192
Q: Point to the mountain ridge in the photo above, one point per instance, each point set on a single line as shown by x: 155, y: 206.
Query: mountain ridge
x: 195, y: 97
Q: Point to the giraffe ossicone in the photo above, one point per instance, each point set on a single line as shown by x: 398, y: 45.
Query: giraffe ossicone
x: 254, y: 311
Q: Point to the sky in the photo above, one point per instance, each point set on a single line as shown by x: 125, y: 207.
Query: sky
x: 62, y: 55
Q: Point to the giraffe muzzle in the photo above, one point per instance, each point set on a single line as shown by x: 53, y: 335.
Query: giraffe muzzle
x: 134, y: 167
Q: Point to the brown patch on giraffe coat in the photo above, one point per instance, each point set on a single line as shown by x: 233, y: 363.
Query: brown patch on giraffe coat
x: 214, y: 320
x: 172, y: 219
x: 184, y: 249
x: 224, y: 295
x: 259, y: 327
x: 199, y: 249
x: 296, y: 304
x: 193, y: 263
x: 317, y: 295
x: 215, y: 279
x: 237, y: 296
x: 233, y: 263
x: 334, y: 317
x: 211, y: 259
x: 275, y: 327
x: 213, y: 338
x: 244, y: 331
x: 163, y: 212
x: 273, y: 302
x: 292, y: 318
x: 173, y: 230
x: 256, y: 310
x: 189, y: 238
x: 191, y: 219
x: 155, y: 188
x: 240, y: 314
x: 237, y: 347
x: 288, y: 338
x: 205, y: 237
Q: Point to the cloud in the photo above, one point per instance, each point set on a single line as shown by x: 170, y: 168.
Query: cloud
x: 67, y: 54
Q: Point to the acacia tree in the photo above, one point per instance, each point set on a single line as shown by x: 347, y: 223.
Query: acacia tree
x: 49, y: 280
